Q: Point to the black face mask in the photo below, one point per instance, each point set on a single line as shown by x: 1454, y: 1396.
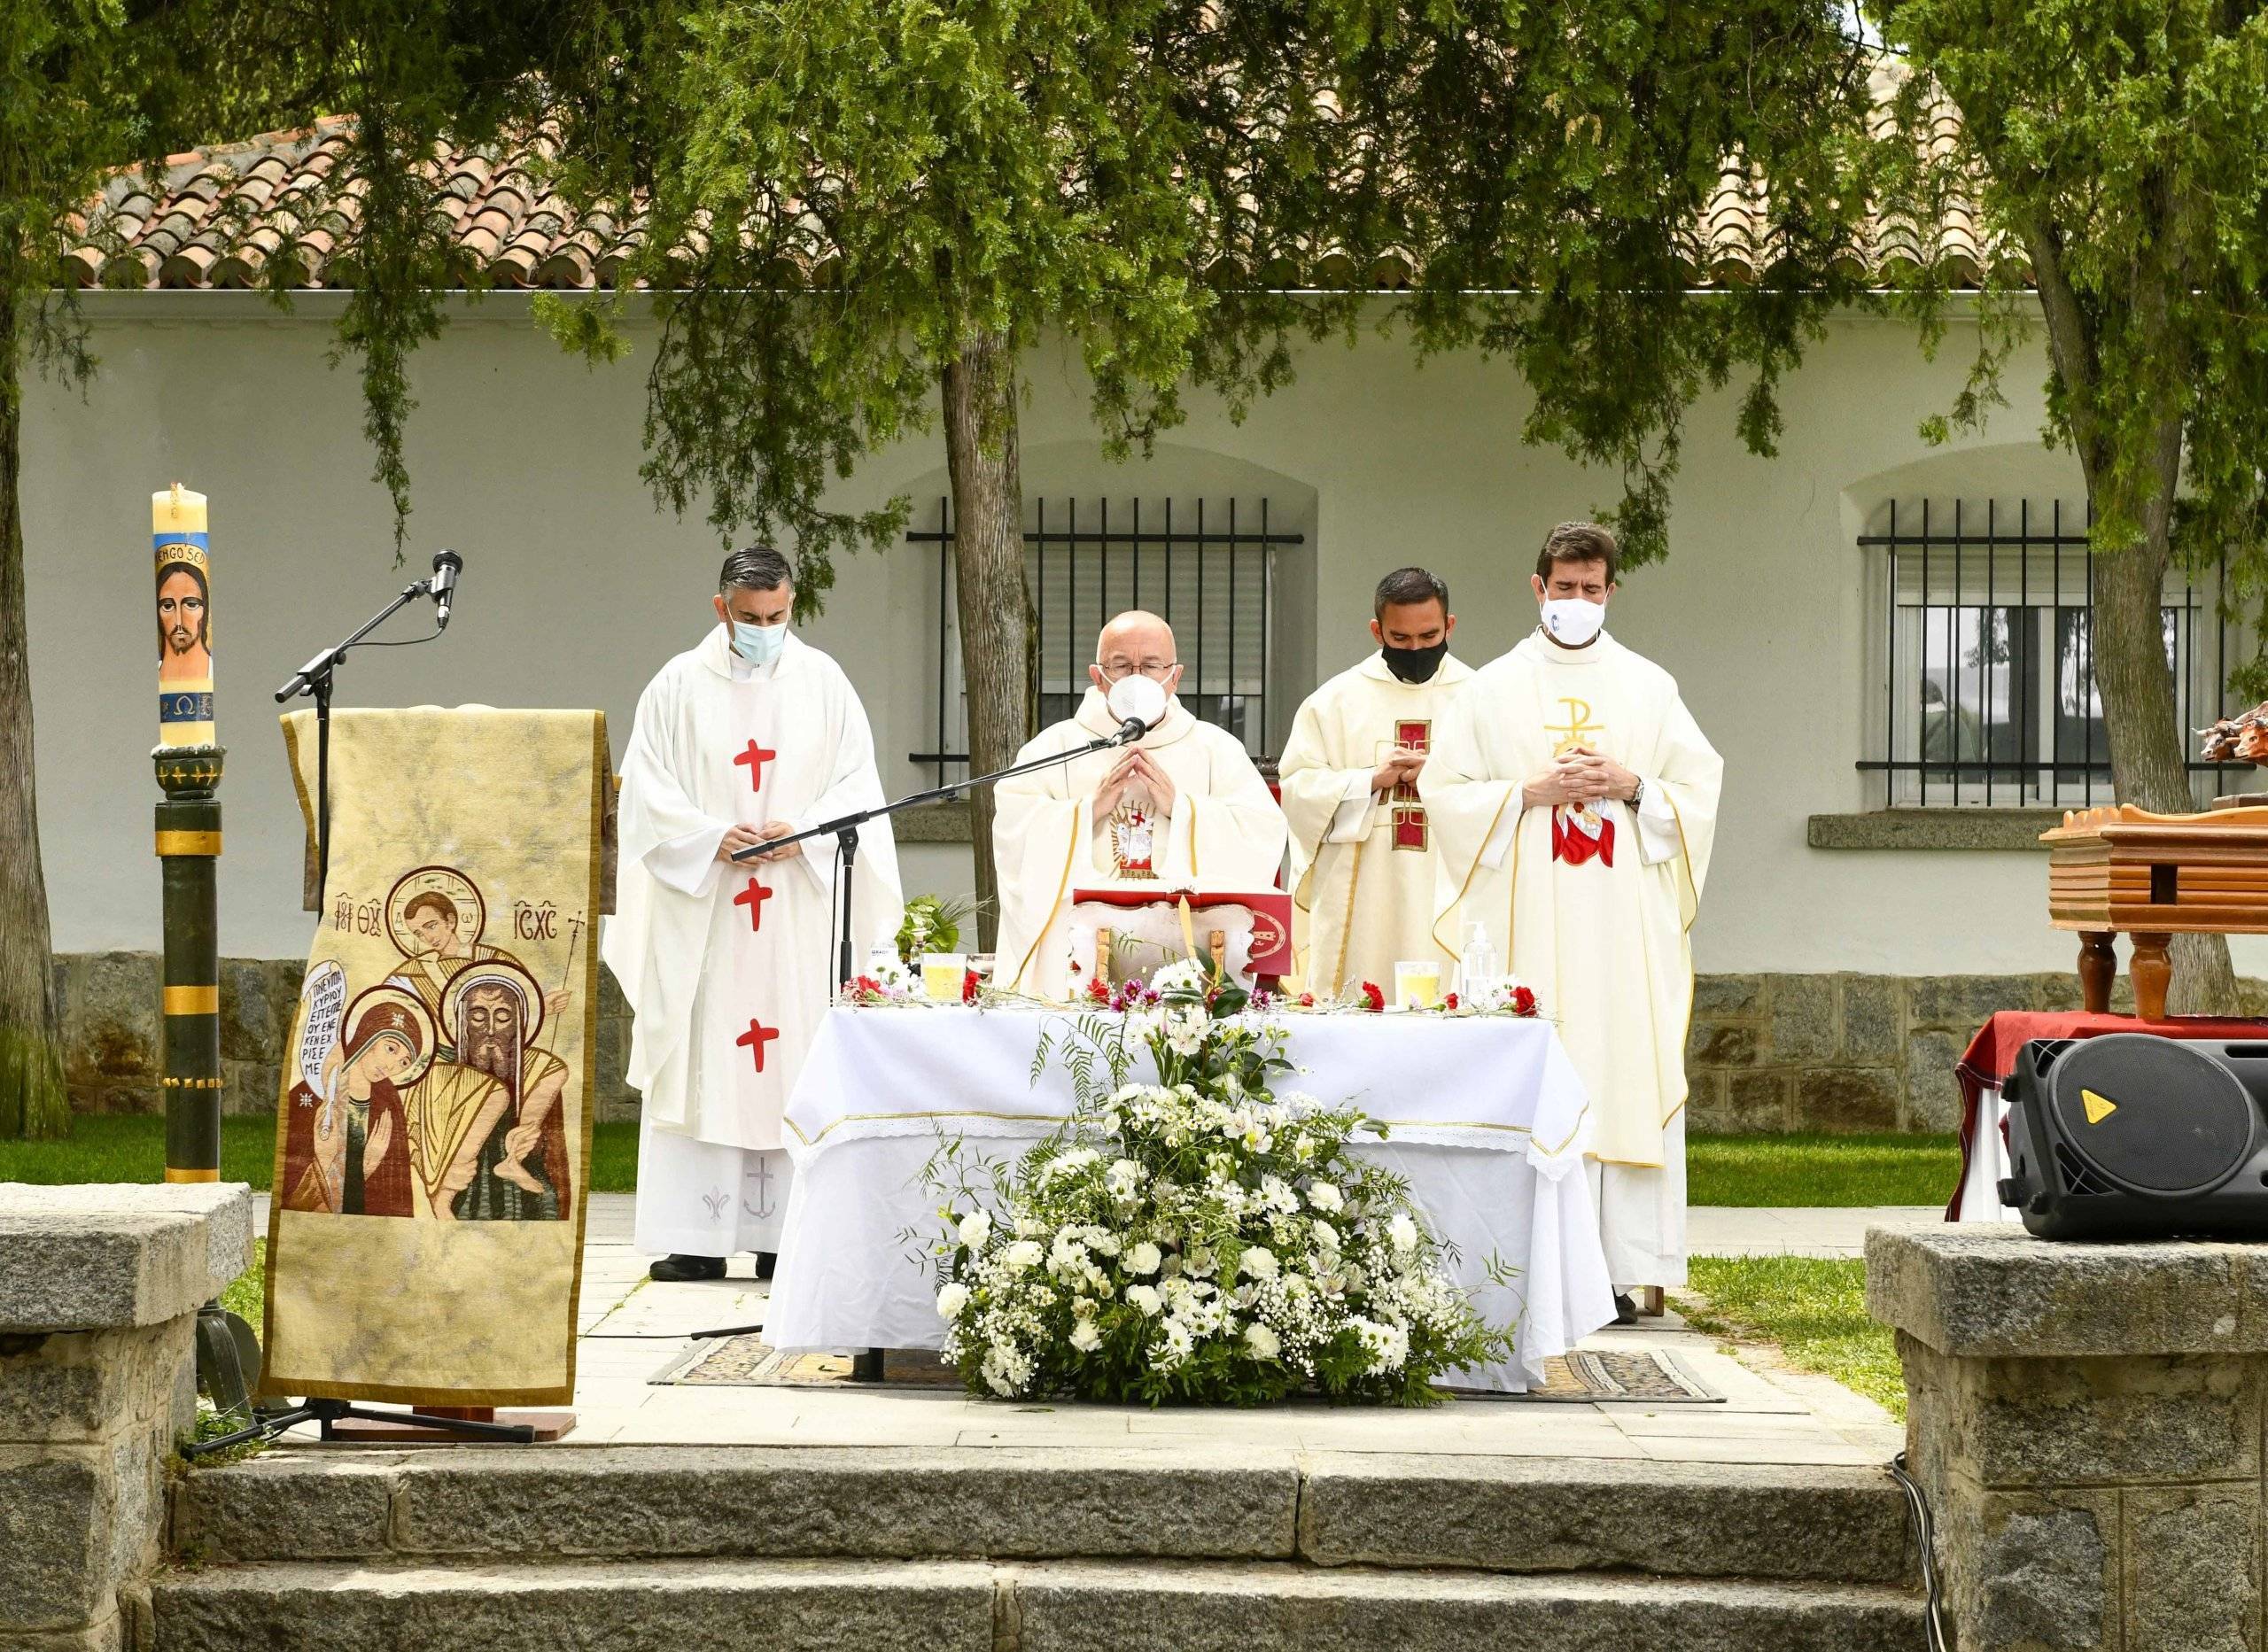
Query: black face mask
x: 1416, y: 665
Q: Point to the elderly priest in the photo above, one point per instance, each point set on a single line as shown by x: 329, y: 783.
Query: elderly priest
x: 1575, y: 799
x: 750, y: 736
x: 1184, y: 806
x: 1363, y: 855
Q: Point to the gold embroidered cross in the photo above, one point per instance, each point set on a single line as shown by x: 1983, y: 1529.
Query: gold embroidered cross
x: 1577, y: 725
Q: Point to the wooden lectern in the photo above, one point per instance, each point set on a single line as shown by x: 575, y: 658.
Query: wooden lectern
x: 2150, y: 875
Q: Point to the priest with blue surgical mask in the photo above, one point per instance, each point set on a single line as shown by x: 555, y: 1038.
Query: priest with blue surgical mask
x: 746, y: 739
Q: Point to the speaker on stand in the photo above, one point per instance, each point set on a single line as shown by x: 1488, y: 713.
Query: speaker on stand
x: 2134, y: 1135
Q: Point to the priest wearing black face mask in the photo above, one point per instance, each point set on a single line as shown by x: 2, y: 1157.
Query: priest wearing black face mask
x: 1362, y: 854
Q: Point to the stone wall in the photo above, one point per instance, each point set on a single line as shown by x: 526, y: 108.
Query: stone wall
x: 1767, y: 1053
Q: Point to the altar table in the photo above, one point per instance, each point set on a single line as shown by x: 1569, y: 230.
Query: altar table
x: 1486, y: 1118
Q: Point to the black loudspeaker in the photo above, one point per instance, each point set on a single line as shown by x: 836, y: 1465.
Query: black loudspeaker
x: 2135, y: 1136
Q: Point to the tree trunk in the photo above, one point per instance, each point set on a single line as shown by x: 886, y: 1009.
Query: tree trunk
x: 980, y: 402
x: 33, y: 1102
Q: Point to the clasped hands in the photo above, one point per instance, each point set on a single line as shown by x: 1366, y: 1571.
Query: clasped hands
x: 1578, y: 775
x: 1132, y: 769
x: 1402, y: 768
x: 740, y: 837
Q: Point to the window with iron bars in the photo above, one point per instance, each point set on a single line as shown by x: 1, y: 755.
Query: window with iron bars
x: 1989, y: 695
x: 1206, y: 566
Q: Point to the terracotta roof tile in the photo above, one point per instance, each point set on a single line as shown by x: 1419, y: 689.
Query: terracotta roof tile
x: 219, y: 218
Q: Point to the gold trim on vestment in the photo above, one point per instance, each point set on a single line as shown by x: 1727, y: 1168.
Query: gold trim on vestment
x: 1347, y: 926
x: 1473, y: 872
x: 1685, y: 854
x: 1069, y: 855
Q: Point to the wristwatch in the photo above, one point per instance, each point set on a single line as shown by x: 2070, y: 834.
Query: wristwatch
x: 1637, y: 791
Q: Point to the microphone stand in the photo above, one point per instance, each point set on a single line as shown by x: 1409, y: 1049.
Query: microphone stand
x: 867, y: 1365
x: 314, y: 677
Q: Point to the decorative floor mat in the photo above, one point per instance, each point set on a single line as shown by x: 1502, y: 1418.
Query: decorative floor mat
x: 1582, y: 1377
x: 751, y: 1362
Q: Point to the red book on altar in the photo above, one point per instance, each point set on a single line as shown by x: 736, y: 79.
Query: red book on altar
x: 1270, y: 910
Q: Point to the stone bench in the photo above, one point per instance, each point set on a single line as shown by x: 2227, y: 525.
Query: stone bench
x: 99, y: 1289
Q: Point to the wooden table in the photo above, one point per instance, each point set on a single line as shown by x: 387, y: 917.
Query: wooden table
x: 2153, y: 876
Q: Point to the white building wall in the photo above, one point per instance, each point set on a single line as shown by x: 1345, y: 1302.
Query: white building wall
x: 576, y: 588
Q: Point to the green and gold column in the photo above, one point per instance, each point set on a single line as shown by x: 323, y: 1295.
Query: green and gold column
x: 189, y: 835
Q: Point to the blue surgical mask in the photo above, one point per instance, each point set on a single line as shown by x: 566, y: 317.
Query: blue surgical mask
x: 758, y: 645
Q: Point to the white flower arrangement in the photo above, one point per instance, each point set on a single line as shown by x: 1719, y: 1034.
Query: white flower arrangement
x: 1198, y: 1239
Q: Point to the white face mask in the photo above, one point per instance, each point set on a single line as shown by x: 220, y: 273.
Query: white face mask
x: 1135, y: 695
x: 1574, y: 621
x: 758, y: 645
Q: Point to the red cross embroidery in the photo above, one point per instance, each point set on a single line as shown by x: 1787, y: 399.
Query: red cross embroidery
x: 757, y: 1036
x: 753, y: 897
x: 756, y: 756
x: 1408, y: 813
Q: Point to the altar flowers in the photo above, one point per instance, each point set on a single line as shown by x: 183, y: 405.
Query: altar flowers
x: 1199, y: 1240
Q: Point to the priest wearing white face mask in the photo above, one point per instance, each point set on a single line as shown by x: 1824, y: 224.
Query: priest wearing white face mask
x: 750, y: 736
x: 1183, y: 806
x: 1576, y: 801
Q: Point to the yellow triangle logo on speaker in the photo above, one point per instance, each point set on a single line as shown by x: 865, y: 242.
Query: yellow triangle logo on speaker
x: 2099, y: 1107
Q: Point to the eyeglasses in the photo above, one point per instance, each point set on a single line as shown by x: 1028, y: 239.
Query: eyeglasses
x: 1155, y: 673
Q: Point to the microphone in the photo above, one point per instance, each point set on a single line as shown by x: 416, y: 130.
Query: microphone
x: 447, y: 566
x: 1131, y: 730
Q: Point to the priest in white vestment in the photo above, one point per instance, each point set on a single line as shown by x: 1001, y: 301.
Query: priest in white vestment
x: 1575, y: 799
x: 1364, y: 860
x: 728, y: 965
x: 1184, y: 806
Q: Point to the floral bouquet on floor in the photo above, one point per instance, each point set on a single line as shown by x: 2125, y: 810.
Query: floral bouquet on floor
x: 1199, y: 1240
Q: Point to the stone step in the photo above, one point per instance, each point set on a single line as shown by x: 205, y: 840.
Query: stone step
x: 1490, y: 1514
x: 1040, y: 1606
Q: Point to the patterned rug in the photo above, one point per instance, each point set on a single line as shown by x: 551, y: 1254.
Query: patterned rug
x: 1648, y: 1375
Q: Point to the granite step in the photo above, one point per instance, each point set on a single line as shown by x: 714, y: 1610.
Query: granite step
x: 1509, y: 1515
x: 1037, y: 1606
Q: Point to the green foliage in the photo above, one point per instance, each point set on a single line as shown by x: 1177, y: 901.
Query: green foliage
x: 932, y: 924
x: 2122, y: 149
x: 903, y: 178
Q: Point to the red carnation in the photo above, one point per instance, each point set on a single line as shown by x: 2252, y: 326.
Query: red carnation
x: 1523, y: 1001
x: 1307, y: 1001
x: 1373, y: 998
x: 969, y: 985
x: 1449, y: 1003
x: 1098, y: 990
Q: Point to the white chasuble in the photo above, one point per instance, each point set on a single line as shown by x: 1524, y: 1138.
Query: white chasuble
x: 1591, y: 906
x: 1363, y: 865
x: 1224, y: 832
x: 728, y: 968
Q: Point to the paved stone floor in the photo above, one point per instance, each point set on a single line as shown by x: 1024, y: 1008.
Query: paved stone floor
x: 633, y: 1329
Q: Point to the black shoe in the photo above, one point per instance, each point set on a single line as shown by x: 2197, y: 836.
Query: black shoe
x: 1626, y: 1309
x: 677, y: 1270
x: 766, y: 1262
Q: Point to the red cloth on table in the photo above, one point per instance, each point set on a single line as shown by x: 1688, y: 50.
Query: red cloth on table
x: 1992, y: 1055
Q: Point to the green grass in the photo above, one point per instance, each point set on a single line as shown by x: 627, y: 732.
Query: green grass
x: 249, y: 1294
x: 1813, y: 1308
x: 131, y: 1147
x: 1819, y: 1169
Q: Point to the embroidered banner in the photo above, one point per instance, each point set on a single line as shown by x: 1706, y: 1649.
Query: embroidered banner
x: 424, y: 1239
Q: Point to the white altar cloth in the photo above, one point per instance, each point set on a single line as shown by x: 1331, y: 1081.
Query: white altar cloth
x: 1486, y: 1119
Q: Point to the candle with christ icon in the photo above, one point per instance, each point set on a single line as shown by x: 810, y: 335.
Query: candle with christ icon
x: 188, y: 835
x: 184, y: 594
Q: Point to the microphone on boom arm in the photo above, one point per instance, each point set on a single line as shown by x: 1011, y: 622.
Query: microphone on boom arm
x: 447, y: 566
